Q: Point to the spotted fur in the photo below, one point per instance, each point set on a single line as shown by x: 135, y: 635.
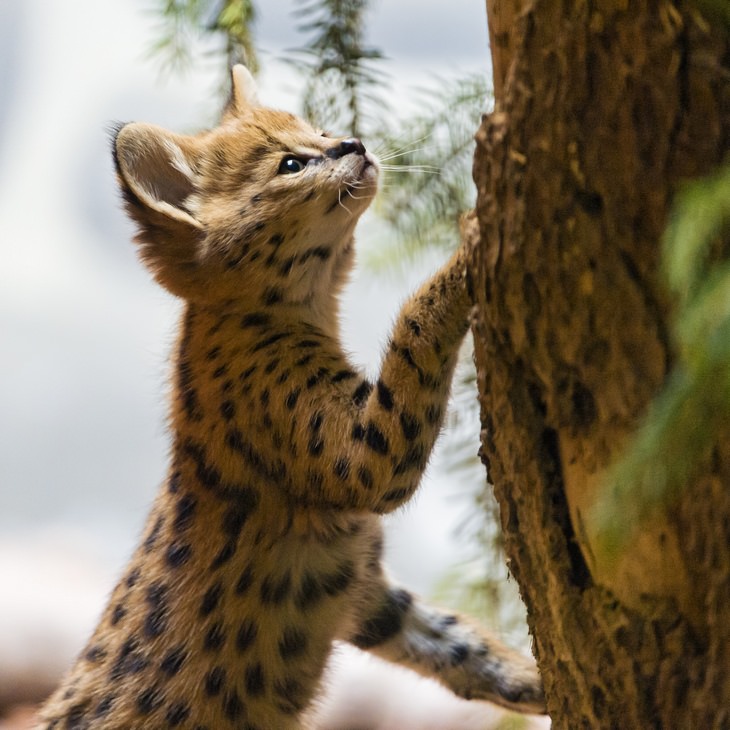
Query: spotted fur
x: 264, y: 544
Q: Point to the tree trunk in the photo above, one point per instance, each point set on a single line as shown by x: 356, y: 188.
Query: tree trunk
x: 603, y: 108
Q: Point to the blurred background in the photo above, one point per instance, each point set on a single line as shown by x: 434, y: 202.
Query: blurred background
x: 85, y: 335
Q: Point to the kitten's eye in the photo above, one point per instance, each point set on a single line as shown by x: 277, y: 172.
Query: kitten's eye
x: 291, y: 164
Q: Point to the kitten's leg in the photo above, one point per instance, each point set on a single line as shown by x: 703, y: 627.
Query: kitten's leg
x: 471, y: 663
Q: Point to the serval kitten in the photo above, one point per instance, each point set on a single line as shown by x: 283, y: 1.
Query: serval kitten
x: 264, y: 544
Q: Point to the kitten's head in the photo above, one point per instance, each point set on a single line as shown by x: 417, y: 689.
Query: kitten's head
x: 257, y: 211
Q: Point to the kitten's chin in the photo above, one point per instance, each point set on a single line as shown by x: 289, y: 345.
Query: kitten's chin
x: 369, y: 175
x: 371, y: 166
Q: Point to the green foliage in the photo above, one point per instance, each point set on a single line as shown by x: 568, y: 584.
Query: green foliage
x: 234, y: 21
x: 676, y: 435
x: 341, y: 75
x: 429, y: 184
x: 183, y: 22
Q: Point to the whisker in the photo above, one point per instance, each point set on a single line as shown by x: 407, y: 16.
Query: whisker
x: 412, y: 168
x: 341, y: 204
x: 403, y: 153
x: 402, y: 150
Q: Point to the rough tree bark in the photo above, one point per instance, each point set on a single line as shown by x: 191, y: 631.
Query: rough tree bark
x: 603, y: 108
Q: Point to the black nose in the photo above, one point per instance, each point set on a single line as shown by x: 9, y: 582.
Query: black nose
x: 351, y: 144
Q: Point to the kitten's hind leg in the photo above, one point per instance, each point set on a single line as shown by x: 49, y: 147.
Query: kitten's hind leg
x: 472, y: 664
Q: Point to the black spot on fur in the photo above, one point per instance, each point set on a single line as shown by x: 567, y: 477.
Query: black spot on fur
x: 173, y: 483
x: 396, y: 495
x: 148, y: 700
x: 268, y: 341
x: 386, y: 622
x: 246, y: 635
x: 156, y: 619
x: 286, y: 266
x: 360, y: 394
x: 385, y: 396
x: 365, y: 476
x: 376, y: 440
x: 178, y: 554
x: 414, y: 327
x: 235, y: 517
x: 315, y: 421
x: 317, y: 377
x: 255, y: 680
x: 152, y: 536
x: 95, y: 654
x: 214, y: 681
x: 320, y: 252
x: 255, y: 319
x: 184, y: 512
x: 118, y: 613
x: 247, y: 373
x: 223, y: 555
x: 207, y: 475
x: 228, y: 409
x: 244, y: 582
x: 76, y: 718
x: 104, y: 706
x: 310, y: 592
x: 129, y: 660
x: 314, y: 588
x: 173, y: 661
x: 275, y: 591
x: 274, y: 472
x: 315, y: 446
x: 406, y: 356
x: 215, y: 637
x: 177, y: 713
x: 190, y: 402
x: 133, y: 577
x: 342, y: 468
x: 341, y: 375
x: 410, y: 425
x: 414, y: 458
x: 291, y: 399
x: 211, y: 599
x: 293, y: 643
x: 272, y: 295
x: 358, y: 432
x: 232, y: 705
x: 335, y: 583
x: 220, y: 371
x: 458, y: 653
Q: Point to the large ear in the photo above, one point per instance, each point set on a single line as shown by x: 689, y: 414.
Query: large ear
x: 156, y: 171
x: 244, y: 93
x: 157, y: 167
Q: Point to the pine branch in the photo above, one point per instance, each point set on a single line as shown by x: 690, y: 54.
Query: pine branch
x: 429, y: 180
x: 339, y: 65
x: 185, y: 22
